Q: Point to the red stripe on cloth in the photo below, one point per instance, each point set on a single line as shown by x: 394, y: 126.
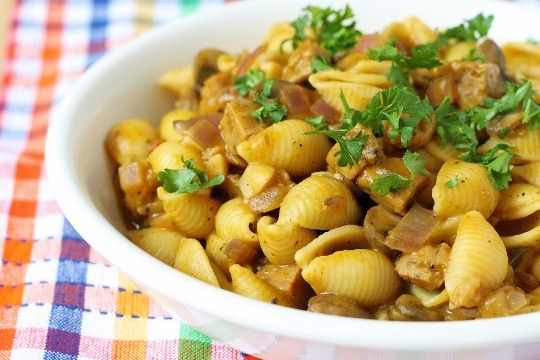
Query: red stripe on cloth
x: 28, y: 167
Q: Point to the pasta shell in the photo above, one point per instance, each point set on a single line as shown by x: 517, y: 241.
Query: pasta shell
x: 524, y: 142
x: 286, y: 146
x: 529, y: 172
x: 368, y: 66
x: 166, y: 125
x: 473, y: 191
x: 535, y: 267
x: 518, y: 201
x: 131, y: 140
x: 192, y: 260
x: 478, y: 262
x: 234, y: 220
x: 277, y: 34
x: 442, y: 153
x: 358, y: 89
x: 319, y: 203
x: 169, y: 154
x: 523, y: 232
x: 179, y: 80
x: 222, y: 279
x: 411, y: 32
x: 429, y: 298
x: 246, y: 283
x: 215, y: 248
x: 346, y: 237
x: 279, y: 242
x: 366, y: 276
x: 160, y: 243
x: 191, y: 214
x: 522, y: 59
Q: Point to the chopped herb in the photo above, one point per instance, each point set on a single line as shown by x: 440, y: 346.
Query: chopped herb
x: 392, y: 182
x: 515, y: 95
x: 471, y: 30
x: 245, y: 83
x: 497, y: 162
x: 389, y: 183
x: 335, y: 30
x: 188, y: 180
x: 473, y: 55
x: 269, y: 108
x: 350, y: 150
x: 401, y: 107
x: 423, y: 56
x: 452, y: 183
x: 453, y: 127
x: 317, y: 122
x: 351, y: 117
x: 397, y: 76
x: 320, y: 63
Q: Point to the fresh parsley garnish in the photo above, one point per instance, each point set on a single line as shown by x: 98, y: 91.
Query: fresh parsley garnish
x: 335, y: 30
x: 497, y: 162
x: 269, y: 109
x: 473, y: 55
x: 470, y: 30
x: 516, y: 95
x: 452, y: 183
x: 422, y: 56
x: 317, y: 122
x: 392, y: 182
x: 350, y: 150
x: 188, y: 180
x: 320, y: 63
x: 453, y: 127
x: 401, y: 107
x: 246, y: 82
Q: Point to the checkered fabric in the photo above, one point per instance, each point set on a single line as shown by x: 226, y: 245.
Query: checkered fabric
x: 59, y: 299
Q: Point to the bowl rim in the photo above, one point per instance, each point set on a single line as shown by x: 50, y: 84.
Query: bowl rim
x: 356, y: 333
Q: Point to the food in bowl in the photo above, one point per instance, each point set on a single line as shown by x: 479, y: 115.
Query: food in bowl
x: 391, y: 175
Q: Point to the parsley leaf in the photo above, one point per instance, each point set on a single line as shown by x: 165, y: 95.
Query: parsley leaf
x: 320, y: 63
x: 452, y: 183
x: 414, y: 163
x: 498, y: 165
x: 351, y: 117
x: 335, y: 30
x: 317, y: 122
x: 471, y: 30
x: 473, y: 55
x: 245, y: 83
x: 401, y: 107
x: 397, y: 76
x: 188, y: 180
x: 269, y: 108
x: 389, y: 183
x: 350, y: 150
x: 515, y: 95
x: 422, y: 56
x: 392, y: 182
x: 453, y: 127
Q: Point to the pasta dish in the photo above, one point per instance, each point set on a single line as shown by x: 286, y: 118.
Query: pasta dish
x: 391, y: 175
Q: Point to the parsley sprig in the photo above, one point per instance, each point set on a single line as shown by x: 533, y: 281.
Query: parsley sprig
x: 270, y: 109
x: 497, y: 163
x: 317, y: 122
x: 335, y: 30
x: 422, y: 56
x: 470, y: 30
x: 392, y: 182
x: 246, y: 82
x: 320, y: 63
x: 188, y: 180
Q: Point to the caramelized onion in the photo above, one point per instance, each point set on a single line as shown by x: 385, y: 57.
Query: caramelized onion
x: 413, y: 230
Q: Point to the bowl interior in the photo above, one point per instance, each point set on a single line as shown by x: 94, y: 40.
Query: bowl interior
x: 123, y: 86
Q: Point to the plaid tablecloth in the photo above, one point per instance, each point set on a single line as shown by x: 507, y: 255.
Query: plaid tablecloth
x: 59, y: 299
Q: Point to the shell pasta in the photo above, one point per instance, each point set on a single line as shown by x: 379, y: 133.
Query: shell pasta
x: 392, y: 175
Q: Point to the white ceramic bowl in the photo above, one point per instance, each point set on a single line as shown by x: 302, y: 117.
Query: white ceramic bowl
x: 122, y: 85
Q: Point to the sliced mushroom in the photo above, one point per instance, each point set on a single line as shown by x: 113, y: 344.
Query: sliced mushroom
x: 340, y: 305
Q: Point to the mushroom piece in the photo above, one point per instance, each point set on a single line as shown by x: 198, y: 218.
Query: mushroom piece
x: 340, y: 305
x: 206, y: 65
